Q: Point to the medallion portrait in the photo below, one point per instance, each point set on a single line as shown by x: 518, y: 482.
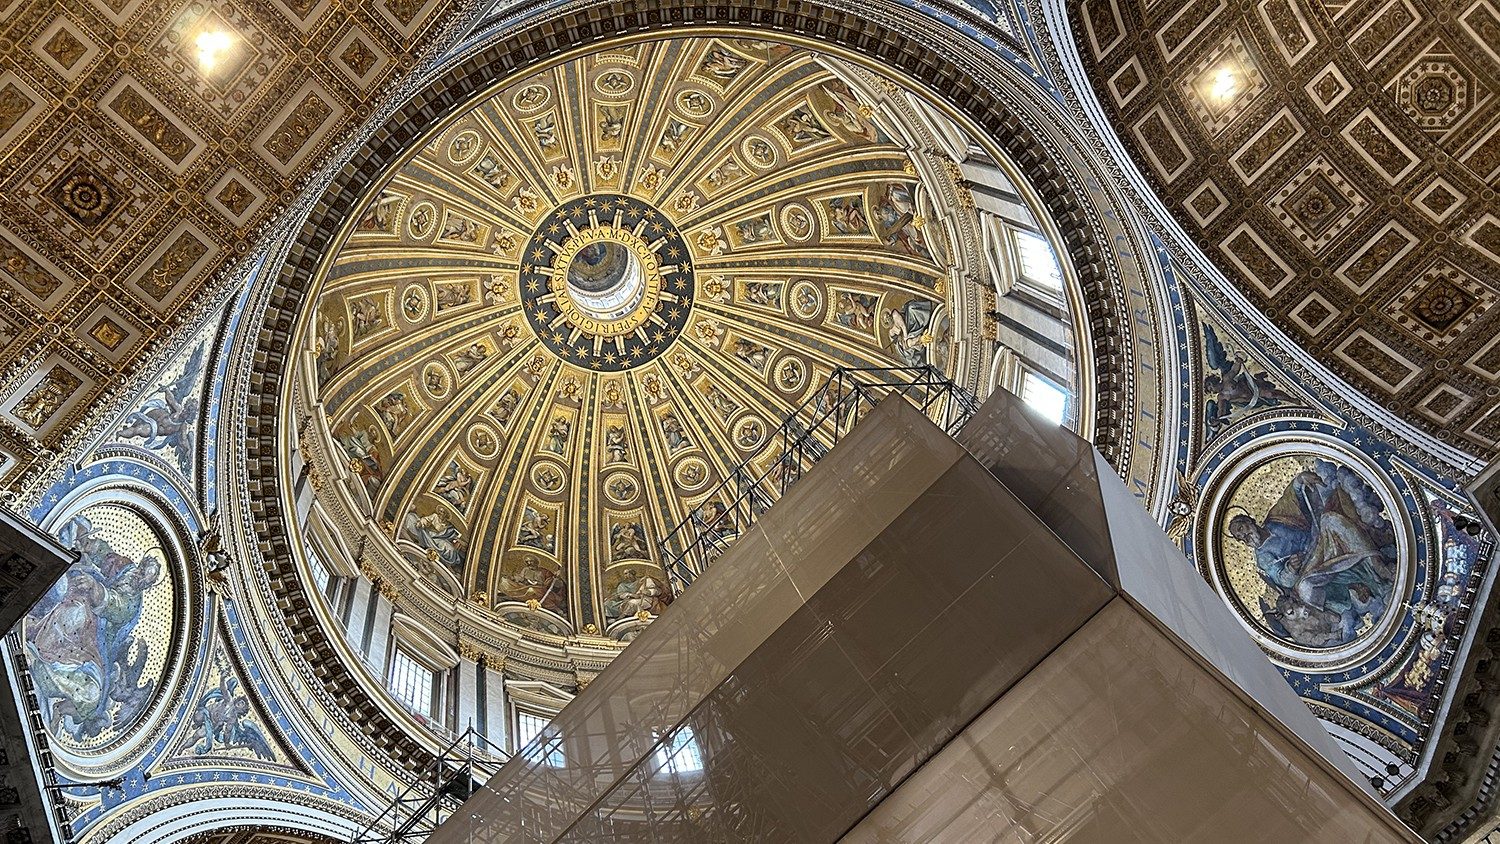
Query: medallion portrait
x: 99, y: 640
x: 1309, y: 552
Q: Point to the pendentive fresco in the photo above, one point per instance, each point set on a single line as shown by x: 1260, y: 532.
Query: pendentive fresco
x: 98, y: 643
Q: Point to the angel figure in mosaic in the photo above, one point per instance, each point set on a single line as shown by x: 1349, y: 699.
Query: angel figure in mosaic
x: 221, y: 720
x: 492, y: 172
x: 470, y: 358
x: 627, y: 541
x: 394, y: 411
x: 558, y: 433
x: 169, y: 419
x: 908, y: 331
x: 676, y: 436
x: 327, y: 350
x: 847, y: 215
x: 755, y: 230
x: 536, y: 530
x: 461, y: 229
x: 713, y: 522
x: 544, y: 128
x: 362, y: 446
x: 722, y: 404
x: 673, y: 136
x: 763, y: 293
x: 366, y: 317
x: 611, y: 122
x: 506, y: 406
x: 1235, y: 387
x: 378, y: 216
x: 456, y: 486
x: 616, y: 449
x: 723, y: 64
x: 855, y: 310
x: 900, y: 225
x: 847, y: 112
x: 802, y: 128
x: 723, y: 174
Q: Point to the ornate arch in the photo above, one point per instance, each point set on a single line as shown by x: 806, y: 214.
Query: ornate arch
x: 186, y: 815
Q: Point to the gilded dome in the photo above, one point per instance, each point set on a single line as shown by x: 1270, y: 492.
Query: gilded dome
x: 593, y: 292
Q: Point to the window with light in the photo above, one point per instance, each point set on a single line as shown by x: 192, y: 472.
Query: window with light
x: 319, y: 573
x: 1035, y: 260
x: 1044, y: 396
x: 412, y: 682
x: 528, y: 726
x: 679, y: 754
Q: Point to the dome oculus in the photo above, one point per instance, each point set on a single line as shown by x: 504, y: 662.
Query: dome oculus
x: 607, y: 282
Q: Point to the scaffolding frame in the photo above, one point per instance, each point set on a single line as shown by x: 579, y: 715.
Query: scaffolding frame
x: 806, y: 433
x: 457, y: 771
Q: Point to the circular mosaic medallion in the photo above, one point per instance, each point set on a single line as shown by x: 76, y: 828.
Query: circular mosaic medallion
x: 607, y: 282
x: 791, y: 374
x: 749, y: 433
x: 807, y: 299
x: 694, y: 103
x: 614, y: 83
x: 548, y: 477
x: 435, y: 380
x: 692, y: 473
x: 1305, y: 548
x: 483, y: 441
x: 419, y: 225
x: 621, y: 488
x: 531, y: 98
x: 463, y: 146
x: 100, y: 642
x: 414, y: 303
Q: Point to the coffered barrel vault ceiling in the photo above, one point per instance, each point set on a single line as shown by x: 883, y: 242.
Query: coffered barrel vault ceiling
x: 589, y: 296
x: 142, y: 147
x: 1339, y: 161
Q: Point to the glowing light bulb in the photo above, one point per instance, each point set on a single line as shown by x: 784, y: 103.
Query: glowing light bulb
x: 212, y: 45
x: 1225, y: 84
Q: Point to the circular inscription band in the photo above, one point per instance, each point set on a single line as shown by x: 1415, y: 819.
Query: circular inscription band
x: 607, y: 282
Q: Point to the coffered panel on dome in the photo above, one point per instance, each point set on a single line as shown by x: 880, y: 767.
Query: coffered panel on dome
x: 1339, y: 160
x: 141, y: 147
x: 549, y: 334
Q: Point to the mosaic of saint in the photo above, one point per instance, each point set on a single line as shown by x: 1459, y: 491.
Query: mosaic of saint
x: 1309, y: 552
x: 98, y: 641
x: 606, y: 301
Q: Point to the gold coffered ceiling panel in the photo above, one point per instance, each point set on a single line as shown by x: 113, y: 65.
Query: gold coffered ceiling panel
x: 546, y: 338
x: 142, y: 146
x: 1339, y: 160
